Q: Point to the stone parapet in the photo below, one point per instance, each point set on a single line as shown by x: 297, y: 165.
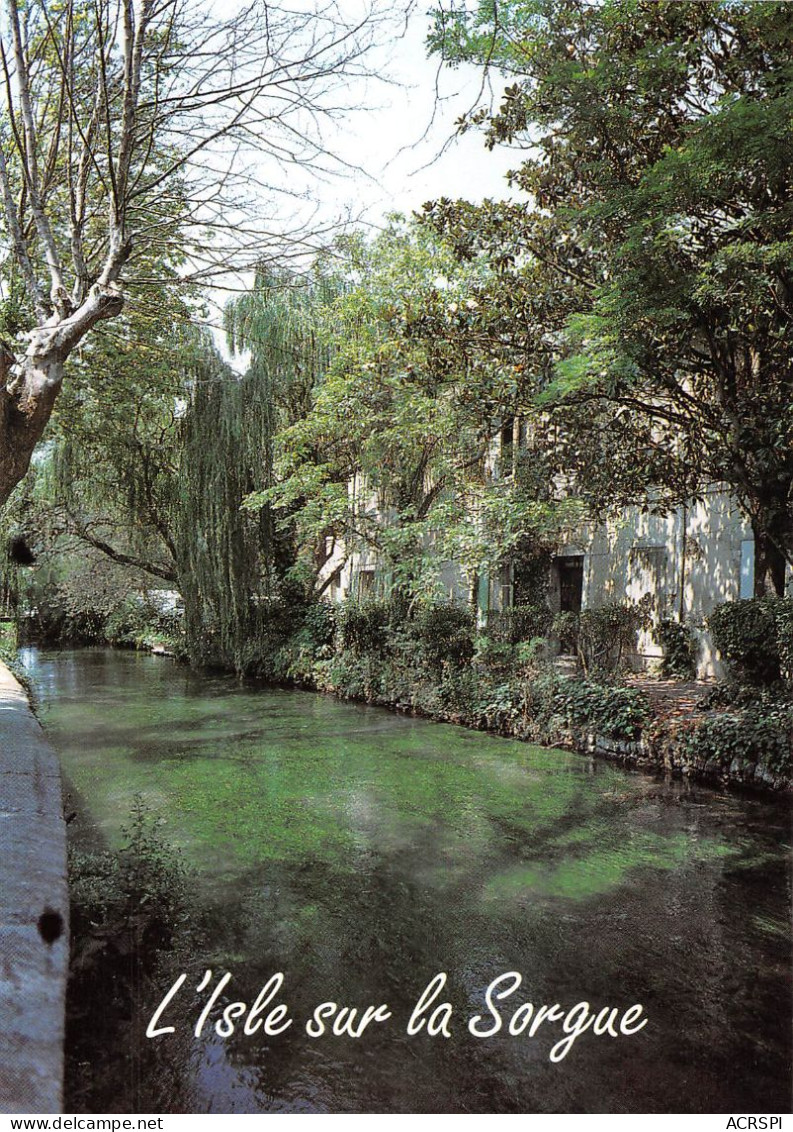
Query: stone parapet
x: 34, y: 929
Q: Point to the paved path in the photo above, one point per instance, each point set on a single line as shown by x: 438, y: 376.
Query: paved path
x: 33, y: 910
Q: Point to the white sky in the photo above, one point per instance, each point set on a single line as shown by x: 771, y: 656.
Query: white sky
x: 389, y: 140
x: 402, y: 138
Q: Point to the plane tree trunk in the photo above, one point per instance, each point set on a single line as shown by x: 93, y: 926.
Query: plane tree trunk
x: 29, y: 384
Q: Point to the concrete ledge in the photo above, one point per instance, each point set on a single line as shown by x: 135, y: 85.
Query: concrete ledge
x: 34, y: 907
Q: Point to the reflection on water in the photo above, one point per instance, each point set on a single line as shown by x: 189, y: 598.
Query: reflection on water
x: 360, y: 853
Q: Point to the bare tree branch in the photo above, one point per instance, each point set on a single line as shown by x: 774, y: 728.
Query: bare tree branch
x: 133, y: 141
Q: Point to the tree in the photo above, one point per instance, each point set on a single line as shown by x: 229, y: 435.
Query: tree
x: 393, y: 456
x: 236, y: 564
x: 124, y: 130
x: 113, y: 467
x: 101, y: 513
x: 658, y: 157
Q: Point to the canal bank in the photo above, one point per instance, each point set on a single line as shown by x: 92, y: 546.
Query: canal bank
x: 34, y: 935
x: 731, y: 734
x: 685, y: 729
x: 746, y: 745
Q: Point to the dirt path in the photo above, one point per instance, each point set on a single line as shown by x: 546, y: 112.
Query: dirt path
x: 672, y: 699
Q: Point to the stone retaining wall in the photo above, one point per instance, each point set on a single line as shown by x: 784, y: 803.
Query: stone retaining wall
x: 669, y: 756
x: 34, y: 929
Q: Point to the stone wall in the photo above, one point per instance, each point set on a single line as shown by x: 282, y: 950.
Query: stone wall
x: 34, y: 931
x: 665, y: 754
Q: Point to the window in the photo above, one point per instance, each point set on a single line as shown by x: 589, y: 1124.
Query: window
x: 366, y: 583
x: 505, y: 462
x: 505, y: 596
x: 747, y: 568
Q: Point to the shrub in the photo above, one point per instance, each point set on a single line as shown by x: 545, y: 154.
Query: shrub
x: 565, y: 627
x: 680, y: 649
x: 520, y: 623
x: 604, y: 637
x: 503, y: 708
x: 8, y: 641
x: 553, y: 703
x: 783, y: 618
x: 133, y: 901
x: 138, y: 620
x: 620, y: 713
x: 357, y: 676
x: 364, y: 625
x: 318, y: 627
x: 756, y: 735
x: 459, y: 691
x: 495, y: 655
x: 445, y: 634
x: 130, y: 929
x: 745, y: 633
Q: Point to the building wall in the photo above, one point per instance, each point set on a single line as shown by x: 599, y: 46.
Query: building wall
x: 687, y: 561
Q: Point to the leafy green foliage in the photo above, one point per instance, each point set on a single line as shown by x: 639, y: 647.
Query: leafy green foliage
x: 142, y: 623
x: 240, y: 568
x: 134, y: 900
x: 109, y: 481
x: 319, y: 626
x: 384, y: 657
x: 757, y: 735
x: 783, y: 622
x: 445, y: 635
x: 680, y: 649
x: 226, y: 554
x: 130, y: 928
x: 496, y: 656
x: 619, y: 713
x: 87, y: 599
x: 431, y: 661
x: 364, y: 627
x: 70, y: 601
x: 745, y: 633
x: 605, y: 638
x: 520, y: 623
x: 8, y: 641
x: 659, y: 162
x: 391, y: 456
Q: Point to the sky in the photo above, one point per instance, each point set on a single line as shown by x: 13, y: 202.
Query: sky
x: 397, y: 144
x: 406, y: 137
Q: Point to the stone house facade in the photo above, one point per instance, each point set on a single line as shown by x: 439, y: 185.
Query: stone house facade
x: 687, y: 561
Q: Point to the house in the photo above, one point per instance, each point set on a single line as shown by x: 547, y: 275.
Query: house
x: 687, y: 561
x: 682, y: 562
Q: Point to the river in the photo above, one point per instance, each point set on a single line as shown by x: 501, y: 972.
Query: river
x: 361, y: 853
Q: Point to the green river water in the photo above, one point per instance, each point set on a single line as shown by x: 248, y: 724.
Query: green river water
x: 360, y: 853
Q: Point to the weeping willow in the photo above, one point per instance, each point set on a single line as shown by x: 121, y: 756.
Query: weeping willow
x: 234, y: 563
x: 9, y: 570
